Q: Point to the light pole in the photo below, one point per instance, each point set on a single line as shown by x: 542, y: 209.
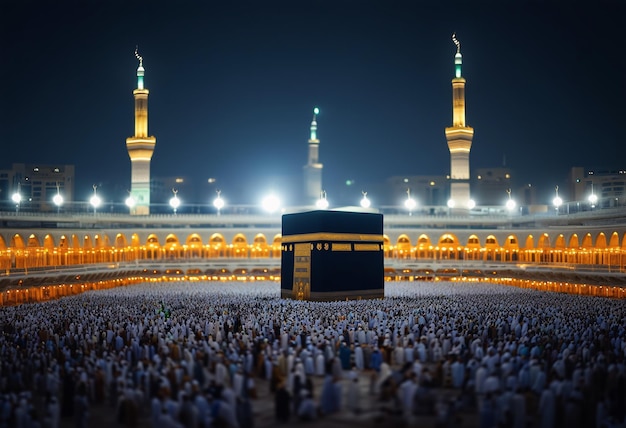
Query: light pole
x: 95, y: 200
x: 557, y: 201
x: 365, y: 202
x: 271, y: 203
x: 593, y: 198
x: 130, y: 202
x: 410, y: 203
x: 58, y: 199
x: 174, y: 201
x: 17, y: 199
x: 218, y: 202
x: 322, y: 202
x: 510, y: 203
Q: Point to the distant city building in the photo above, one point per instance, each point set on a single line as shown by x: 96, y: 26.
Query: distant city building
x: 605, y: 184
x: 426, y: 190
x: 37, y: 185
x: 140, y: 149
x: 313, y: 168
x: 459, y: 137
x: 490, y: 186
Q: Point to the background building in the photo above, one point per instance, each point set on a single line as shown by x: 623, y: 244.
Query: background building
x: 605, y: 184
x: 37, y: 185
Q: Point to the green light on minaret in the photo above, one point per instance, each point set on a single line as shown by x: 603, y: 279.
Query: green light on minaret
x: 314, y: 124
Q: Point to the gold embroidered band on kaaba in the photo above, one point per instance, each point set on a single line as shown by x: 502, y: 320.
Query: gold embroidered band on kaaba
x: 325, y: 236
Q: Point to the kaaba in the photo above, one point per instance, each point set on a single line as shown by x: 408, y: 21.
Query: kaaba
x: 332, y: 255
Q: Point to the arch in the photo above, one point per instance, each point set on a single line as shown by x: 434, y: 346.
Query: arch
x: 614, y: 240
x: 560, y: 242
x: 193, y: 246
x: 492, y: 248
x: 153, y: 247
x: 217, y: 245
x: 172, y: 247
x: 544, y: 241
x: 134, y: 240
x: 17, y: 242
x: 48, y: 242
x: 3, y: 245
x: 424, y: 248
x: 260, y: 248
x: 472, y: 248
x: 120, y: 241
x: 510, y: 249
x: 587, y: 241
x: 601, y: 241
x: 448, y: 239
x: 33, y: 241
x: 449, y: 247
x: 573, y: 241
x: 239, y: 246
x: 403, y: 247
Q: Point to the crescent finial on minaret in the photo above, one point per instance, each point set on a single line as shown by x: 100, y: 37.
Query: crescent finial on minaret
x: 456, y: 42
x: 139, y: 57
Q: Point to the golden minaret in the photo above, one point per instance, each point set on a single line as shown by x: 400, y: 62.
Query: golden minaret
x: 459, y: 137
x: 140, y: 148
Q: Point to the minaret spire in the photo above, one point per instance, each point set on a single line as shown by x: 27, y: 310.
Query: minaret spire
x: 313, y: 168
x: 140, y: 69
x: 459, y: 137
x: 314, y: 124
x: 458, y: 58
x: 140, y: 147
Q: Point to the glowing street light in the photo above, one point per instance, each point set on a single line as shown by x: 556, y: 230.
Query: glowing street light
x: 17, y: 199
x: 174, y: 201
x: 593, y: 198
x: 557, y: 201
x: 322, y: 202
x: 271, y: 203
x: 510, y: 203
x: 218, y: 202
x: 365, y: 202
x: 130, y: 201
x: 58, y: 199
x: 410, y: 203
x: 471, y: 204
x: 95, y: 200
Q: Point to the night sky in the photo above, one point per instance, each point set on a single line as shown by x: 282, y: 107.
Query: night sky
x: 233, y: 85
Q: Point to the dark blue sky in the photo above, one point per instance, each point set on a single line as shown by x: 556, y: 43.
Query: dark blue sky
x: 232, y: 87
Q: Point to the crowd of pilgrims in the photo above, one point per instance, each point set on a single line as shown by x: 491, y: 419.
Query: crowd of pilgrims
x: 190, y: 354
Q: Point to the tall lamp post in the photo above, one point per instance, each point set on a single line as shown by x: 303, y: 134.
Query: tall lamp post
x: 322, y: 202
x: 410, y: 203
x: 593, y: 198
x: 174, y: 201
x: 58, y: 199
x: 365, y: 202
x: 510, y: 203
x: 218, y: 202
x: 130, y: 201
x: 95, y: 200
x: 17, y: 199
x: 557, y: 201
